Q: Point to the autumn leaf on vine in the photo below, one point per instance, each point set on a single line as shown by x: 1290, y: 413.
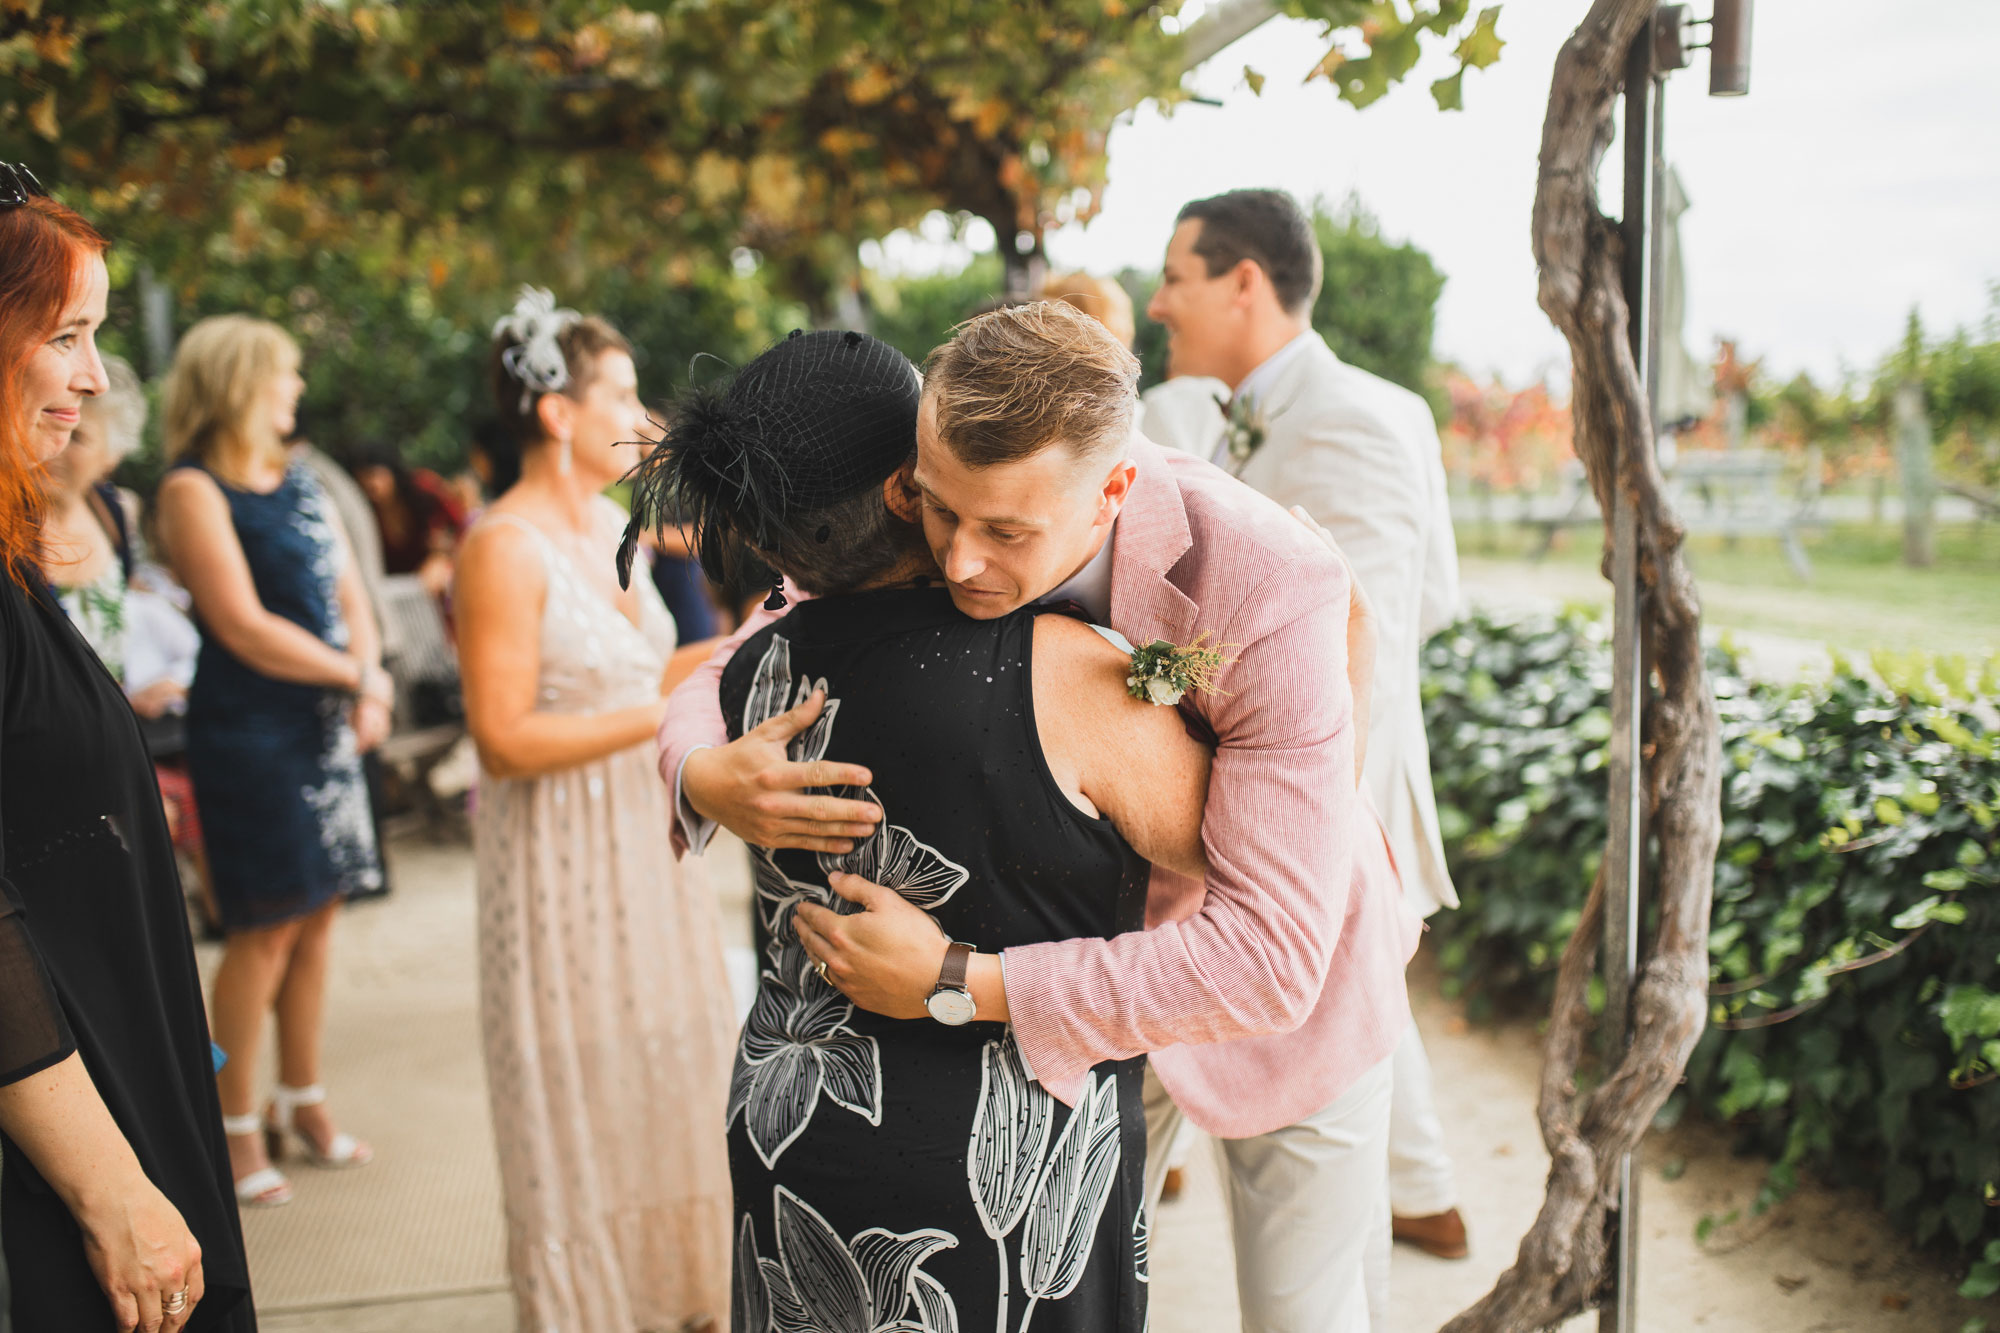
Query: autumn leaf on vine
x: 42, y: 115
x: 1481, y: 46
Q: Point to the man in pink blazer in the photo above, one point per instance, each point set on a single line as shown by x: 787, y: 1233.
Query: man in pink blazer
x: 1271, y: 996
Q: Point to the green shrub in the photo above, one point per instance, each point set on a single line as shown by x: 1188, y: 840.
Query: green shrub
x: 1855, y: 944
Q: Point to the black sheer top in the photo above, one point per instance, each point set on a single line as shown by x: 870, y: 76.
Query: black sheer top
x: 95, y: 953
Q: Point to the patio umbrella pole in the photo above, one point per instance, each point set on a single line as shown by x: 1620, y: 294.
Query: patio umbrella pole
x: 1643, y: 132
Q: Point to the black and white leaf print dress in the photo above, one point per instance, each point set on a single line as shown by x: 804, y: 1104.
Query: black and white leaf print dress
x: 901, y: 1176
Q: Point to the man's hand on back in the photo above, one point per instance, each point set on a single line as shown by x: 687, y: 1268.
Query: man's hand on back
x: 753, y: 788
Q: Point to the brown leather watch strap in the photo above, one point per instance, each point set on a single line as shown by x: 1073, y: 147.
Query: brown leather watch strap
x: 957, y: 957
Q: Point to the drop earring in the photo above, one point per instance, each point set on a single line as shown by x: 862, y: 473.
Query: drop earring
x: 564, y: 459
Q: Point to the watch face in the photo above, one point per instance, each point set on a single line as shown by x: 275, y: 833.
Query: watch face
x: 951, y: 1007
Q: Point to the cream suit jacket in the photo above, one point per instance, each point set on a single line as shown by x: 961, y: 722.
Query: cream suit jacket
x: 1361, y: 455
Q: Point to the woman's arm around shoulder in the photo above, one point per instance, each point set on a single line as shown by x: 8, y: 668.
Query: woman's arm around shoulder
x: 1134, y: 762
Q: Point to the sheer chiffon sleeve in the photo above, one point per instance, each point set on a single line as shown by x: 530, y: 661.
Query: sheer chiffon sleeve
x: 33, y: 1032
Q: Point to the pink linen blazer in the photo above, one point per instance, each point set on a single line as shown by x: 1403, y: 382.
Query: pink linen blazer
x: 1264, y: 992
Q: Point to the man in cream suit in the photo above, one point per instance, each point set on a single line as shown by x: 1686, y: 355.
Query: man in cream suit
x: 1361, y: 456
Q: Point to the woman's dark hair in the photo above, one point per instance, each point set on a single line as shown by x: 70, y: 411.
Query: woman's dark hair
x: 415, y: 500
x: 1266, y: 227
x: 789, y: 459
x: 503, y: 457
x: 516, y: 426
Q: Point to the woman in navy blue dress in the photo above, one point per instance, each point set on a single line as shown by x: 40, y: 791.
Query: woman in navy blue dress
x: 288, y: 692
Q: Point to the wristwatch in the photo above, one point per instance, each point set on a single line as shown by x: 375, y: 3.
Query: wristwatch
x: 951, y: 1003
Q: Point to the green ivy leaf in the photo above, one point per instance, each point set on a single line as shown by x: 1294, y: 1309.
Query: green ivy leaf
x: 1970, y: 1013
x: 1914, y: 915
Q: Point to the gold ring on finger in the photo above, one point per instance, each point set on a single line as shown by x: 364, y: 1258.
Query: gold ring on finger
x: 820, y: 967
x: 175, y: 1303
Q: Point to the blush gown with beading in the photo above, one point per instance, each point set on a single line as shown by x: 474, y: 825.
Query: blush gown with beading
x: 607, y: 1014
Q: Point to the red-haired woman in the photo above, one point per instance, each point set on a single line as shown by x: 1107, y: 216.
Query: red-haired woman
x: 115, y: 1202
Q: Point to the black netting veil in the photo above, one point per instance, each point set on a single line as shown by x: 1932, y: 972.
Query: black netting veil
x: 816, y: 418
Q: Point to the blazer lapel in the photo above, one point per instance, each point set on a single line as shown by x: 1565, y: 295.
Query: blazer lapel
x: 1150, y: 539
x: 1281, y: 429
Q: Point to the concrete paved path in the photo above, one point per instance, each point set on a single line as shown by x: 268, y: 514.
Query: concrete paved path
x: 412, y: 1244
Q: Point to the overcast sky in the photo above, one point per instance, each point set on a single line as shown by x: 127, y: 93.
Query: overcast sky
x: 1861, y: 176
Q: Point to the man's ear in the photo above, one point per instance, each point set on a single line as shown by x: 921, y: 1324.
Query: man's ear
x: 1117, y: 490
x: 900, y: 494
x: 1246, y: 280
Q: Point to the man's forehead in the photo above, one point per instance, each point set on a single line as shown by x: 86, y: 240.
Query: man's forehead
x: 990, y: 495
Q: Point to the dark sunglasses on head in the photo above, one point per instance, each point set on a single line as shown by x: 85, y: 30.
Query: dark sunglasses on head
x: 18, y: 185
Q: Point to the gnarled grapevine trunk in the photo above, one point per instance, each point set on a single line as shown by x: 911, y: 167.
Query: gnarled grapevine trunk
x: 1560, y: 1269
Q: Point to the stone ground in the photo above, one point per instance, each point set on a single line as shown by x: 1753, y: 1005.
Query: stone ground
x: 412, y: 1244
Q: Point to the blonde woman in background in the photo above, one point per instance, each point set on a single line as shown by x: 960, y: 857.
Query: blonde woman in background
x: 1100, y: 298
x: 87, y: 536
x: 93, y: 558
x: 288, y: 690
x: 1182, y: 412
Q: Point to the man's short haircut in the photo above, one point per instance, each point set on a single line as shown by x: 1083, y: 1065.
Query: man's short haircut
x: 1266, y: 227
x: 1016, y: 381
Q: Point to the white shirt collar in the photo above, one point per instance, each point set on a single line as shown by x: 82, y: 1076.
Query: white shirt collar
x: 1257, y: 383
x: 1090, y: 587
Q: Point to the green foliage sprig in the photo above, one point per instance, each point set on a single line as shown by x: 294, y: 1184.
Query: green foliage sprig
x: 1162, y: 672
x: 1855, y: 942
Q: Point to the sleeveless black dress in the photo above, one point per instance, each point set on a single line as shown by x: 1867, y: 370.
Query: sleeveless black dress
x: 901, y: 1176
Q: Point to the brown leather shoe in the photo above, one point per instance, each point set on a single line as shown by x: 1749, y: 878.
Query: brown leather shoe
x: 1171, y: 1190
x: 1440, y: 1234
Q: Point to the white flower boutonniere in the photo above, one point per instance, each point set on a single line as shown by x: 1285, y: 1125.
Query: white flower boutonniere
x: 1163, y: 672
x: 1243, y: 427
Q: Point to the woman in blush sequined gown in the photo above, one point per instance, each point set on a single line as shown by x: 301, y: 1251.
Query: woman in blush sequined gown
x: 607, y: 1014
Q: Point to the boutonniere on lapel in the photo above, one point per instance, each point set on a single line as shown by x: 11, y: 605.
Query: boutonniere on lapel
x: 1162, y: 672
x: 1243, y: 427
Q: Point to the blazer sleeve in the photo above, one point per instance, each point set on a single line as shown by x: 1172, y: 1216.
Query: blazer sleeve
x: 1440, y: 603
x: 694, y: 721
x: 34, y: 1033
x: 1353, y: 473
x: 1278, y: 832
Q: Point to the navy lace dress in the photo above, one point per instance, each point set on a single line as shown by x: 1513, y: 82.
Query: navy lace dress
x: 901, y: 1176
x: 284, y: 805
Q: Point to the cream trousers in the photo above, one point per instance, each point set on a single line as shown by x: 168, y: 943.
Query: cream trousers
x: 1421, y: 1180
x: 1308, y: 1206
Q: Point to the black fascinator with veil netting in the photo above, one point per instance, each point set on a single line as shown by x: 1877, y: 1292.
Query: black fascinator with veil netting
x: 816, y: 419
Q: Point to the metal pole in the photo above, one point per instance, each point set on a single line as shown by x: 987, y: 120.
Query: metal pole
x: 1622, y: 846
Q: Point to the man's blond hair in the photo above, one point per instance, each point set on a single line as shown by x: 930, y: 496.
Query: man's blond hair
x: 1016, y: 381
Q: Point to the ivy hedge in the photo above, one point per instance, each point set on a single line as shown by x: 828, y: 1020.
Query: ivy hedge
x: 1855, y: 945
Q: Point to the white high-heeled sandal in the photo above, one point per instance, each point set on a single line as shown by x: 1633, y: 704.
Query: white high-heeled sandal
x: 266, y: 1187
x: 344, y: 1151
